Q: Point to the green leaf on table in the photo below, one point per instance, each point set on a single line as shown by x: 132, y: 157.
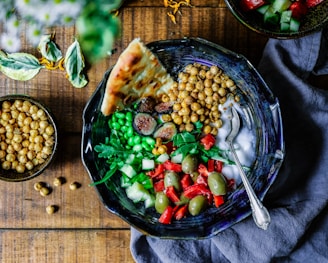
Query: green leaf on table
x: 49, y: 49
x: 74, y: 65
x: 19, y: 66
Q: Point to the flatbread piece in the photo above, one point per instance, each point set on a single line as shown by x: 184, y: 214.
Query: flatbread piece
x: 138, y: 73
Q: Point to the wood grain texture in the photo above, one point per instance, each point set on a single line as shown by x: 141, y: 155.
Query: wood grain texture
x: 65, y: 246
x: 82, y: 230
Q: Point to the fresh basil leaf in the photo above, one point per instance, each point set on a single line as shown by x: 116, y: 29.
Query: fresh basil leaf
x: 19, y: 66
x: 49, y: 49
x: 74, y: 65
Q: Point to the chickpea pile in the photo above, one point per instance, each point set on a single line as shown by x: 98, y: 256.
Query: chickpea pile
x: 26, y: 136
x: 196, y: 97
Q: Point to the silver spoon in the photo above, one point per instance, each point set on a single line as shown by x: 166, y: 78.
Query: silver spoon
x: 260, y: 214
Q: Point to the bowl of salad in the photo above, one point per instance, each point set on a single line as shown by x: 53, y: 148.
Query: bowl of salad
x: 283, y: 19
x: 175, y: 177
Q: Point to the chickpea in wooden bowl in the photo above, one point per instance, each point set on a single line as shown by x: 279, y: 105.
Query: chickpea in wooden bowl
x: 28, y: 138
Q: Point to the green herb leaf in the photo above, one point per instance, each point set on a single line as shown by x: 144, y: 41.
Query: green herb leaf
x: 49, y: 49
x: 74, y: 64
x: 19, y: 66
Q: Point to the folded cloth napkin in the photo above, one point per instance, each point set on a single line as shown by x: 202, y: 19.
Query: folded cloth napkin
x: 298, y: 200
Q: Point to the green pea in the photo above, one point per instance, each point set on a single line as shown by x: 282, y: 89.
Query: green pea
x: 121, y: 122
x: 130, y: 141
x: 137, y: 139
x: 128, y: 116
x: 149, y: 140
x: 172, y: 179
x: 217, y: 183
x: 116, y: 126
x: 124, y: 129
x: 129, y: 131
x: 197, y: 205
x: 146, y: 146
x: 119, y: 115
x: 161, y: 202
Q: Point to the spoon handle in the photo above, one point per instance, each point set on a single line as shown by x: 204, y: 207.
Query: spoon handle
x: 260, y: 214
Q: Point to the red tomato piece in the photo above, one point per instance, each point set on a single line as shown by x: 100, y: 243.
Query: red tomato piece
x: 218, y: 166
x: 202, y: 170
x: 197, y: 189
x: 175, y: 167
x: 211, y: 165
x: 159, y: 186
x: 208, y: 141
x: 248, y: 5
x: 218, y: 200
x: 172, y: 194
x: 158, y: 172
x: 186, y: 181
x: 167, y: 215
x: 299, y: 9
x: 181, y: 212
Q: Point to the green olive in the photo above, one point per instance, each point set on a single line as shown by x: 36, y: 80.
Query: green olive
x: 172, y: 179
x: 189, y: 164
x: 197, y: 205
x: 217, y: 183
x: 161, y: 202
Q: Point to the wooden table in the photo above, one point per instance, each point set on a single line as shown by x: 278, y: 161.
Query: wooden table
x: 82, y: 230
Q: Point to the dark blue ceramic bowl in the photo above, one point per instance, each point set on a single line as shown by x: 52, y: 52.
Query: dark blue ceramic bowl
x: 316, y: 19
x: 263, y: 114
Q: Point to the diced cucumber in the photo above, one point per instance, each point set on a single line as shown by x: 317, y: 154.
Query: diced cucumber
x: 125, y: 181
x: 262, y: 9
x: 128, y: 170
x: 271, y: 17
x: 286, y: 16
x: 294, y: 25
x: 162, y: 158
x: 138, y: 193
x: 280, y: 5
x: 148, y: 164
x: 284, y: 27
x: 177, y: 158
x: 131, y: 159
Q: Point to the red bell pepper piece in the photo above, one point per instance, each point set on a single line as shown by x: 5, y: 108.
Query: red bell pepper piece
x: 175, y: 167
x: 197, y: 189
x: 167, y: 215
x: 158, y: 172
x: 186, y: 181
x: 172, y: 194
x: 218, y: 166
x: 218, y: 200
x: 181, y: 212
x: 211, y: 165
x: 248, y: 5
x: 299, y: 9
x: 159, y: 186
x: 313, y: 3
x: 208, y: 141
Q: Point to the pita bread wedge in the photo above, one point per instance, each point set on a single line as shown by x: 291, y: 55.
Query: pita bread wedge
x: 138, y: 73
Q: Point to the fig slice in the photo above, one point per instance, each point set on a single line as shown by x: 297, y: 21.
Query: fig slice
x: 166, y: 131
x: 144, y: 123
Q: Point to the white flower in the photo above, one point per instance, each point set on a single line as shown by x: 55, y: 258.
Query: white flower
x: 10, y: 43
x: 12, y: 25
x: 34, y: 32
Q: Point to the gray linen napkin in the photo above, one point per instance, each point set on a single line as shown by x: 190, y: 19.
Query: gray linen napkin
x: 298, y: 200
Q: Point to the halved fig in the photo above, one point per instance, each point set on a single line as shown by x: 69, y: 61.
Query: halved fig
x: 144, y: 123
x: 166, y: 131
x: 146, y: 104
x: 164, y: 107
